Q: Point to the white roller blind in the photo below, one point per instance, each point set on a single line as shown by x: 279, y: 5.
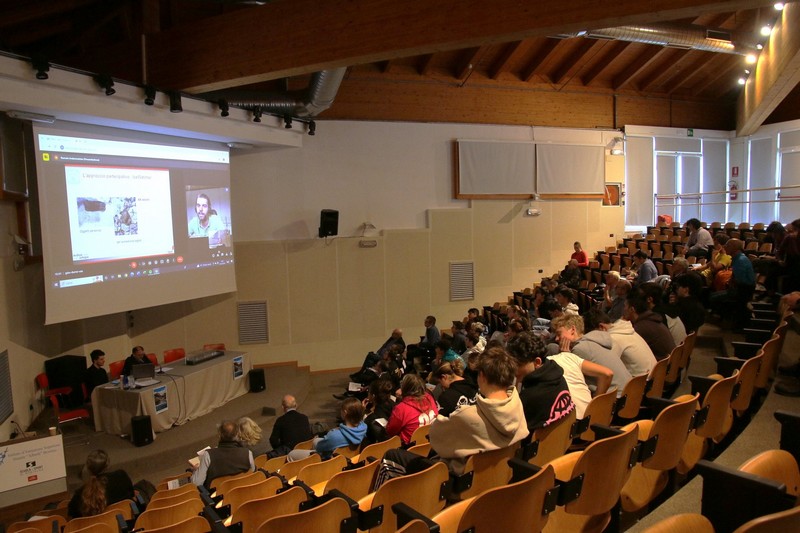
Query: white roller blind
x: 489, y: 167
x: 762, y: 174
x: 790, y: 175
x: 569, y: 169
x: 715, y: 172
x: 639, y: 181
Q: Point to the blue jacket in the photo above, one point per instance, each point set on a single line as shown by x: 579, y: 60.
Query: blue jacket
x: 342, y: 436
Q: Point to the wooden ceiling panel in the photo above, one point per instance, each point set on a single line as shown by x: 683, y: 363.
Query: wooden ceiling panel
x: 604, y: 60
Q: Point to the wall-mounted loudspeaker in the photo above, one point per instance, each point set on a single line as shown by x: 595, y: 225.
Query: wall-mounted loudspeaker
x: 328, y: 222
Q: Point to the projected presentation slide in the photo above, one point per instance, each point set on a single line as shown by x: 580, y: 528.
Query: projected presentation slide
x: 118, y: 213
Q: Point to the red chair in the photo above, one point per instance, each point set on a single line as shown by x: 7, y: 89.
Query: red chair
x: 175, y: 354
x: 63, y: 417
x: 44, y: 385
x: 115, y: 369
x: 152, y: 358
x: 220, y: 346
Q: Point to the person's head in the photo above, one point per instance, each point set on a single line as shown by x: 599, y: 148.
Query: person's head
x: 496, y: 369
x: 473, y: 313
x: 288, y: 402
x: 477, y: 328
x: 93, y: 495
x: 447, y: 373
x: 693, y: 224
x: 577, y: 246
x: 568, y: 327
x: 720, y: 240
x: 380, y: 391
x: 734, y: 246
x: 539, y: 294
x: 412, y: 386
x: 639, y: 257
x: 794, y: 227
x: 249, y: 431
x: 622, y: 288
x: 515, y: 327
x: 352, y: 411
x: 397, y: 333
x: 635, y: 305
x: 138, y: 353
x: 458, y: 326
x: 472, y: 339
x: 228, y: 431
x: 679, y: 266
x: 573, y: 263
x: 596, y: 319
x: 374, y: 360
x: 441, y: 347
x: 776, y: 230
x: 564, y: 295
x: 202, y: 207
x: 96, y: 462
x: 98, y: 358
x: 612, y: 278
x: 652, y: 293
x: 528, y: 352
x: 683, y: 287
x: 430, y: 320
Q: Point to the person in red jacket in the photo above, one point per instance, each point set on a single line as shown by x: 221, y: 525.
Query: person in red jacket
x: 418, y: 408
x: 579, y: 255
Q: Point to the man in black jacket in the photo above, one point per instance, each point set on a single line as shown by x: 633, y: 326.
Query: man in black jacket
x: 290, y: 428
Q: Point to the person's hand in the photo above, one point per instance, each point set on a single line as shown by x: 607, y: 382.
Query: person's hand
x: 673, y: 298
x: 565, y: 345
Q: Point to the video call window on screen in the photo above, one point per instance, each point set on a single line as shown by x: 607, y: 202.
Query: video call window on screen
x: 131, y: 219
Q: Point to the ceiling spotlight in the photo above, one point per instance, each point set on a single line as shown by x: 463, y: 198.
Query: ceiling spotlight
x: 149, y: 95
x: 747, y: 71
x: 224, y: 108
x: 257, y: 114
x: 779, y: 6
x: 105, y: 82
x: 766, y: 30
x: 312, y: 128
x: 175, y: 105
x: 287, y: 122
x: 759, y: 46
x: 41, y: 66
x: 750, y: 59
x: 742, y: 80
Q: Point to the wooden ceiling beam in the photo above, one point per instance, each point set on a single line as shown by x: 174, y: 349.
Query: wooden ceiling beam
x: 506, y: 59
x: 468, y: 61
x: 540, y: 58
x: 676, y: 58
x: 303, y: 36
x: 733, y: 63
x: 28, y: 12
x: 425, y: 65
x: 576, y: 58
x: 776, y: 73
x: 613, y: 52
x: 650, y: 54
x: 699, y: 68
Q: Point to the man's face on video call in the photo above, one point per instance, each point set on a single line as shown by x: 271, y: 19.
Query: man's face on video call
x: 201, y: 208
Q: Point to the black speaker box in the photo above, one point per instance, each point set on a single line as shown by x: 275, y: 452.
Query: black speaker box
x: 257, y: 380
x: 67, y: 371
x: 141, y: 430
x: 328, y: 222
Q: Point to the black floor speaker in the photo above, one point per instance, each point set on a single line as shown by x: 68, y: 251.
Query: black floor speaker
x: 141, y: 430
x: 257, y: 381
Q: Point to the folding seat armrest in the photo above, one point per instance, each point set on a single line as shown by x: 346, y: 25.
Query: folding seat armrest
x: 701, y: 384
x: 214, y: 519
x: 603, y: 432
x: 761, y: 323
x: 759, y: 336
x: 122, y: 524
x: 406, y: 514
x: 460, y: 483
x: 521, y: 469
x: 579, y: 426
x: 745, y: 350
x: 656, y: 405
x: 790, y: 432
x: 309, y: 491
x: 205, y: 496
x: 726, y: 365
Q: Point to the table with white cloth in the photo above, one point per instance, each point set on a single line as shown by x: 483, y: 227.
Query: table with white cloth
x: 190, y: 391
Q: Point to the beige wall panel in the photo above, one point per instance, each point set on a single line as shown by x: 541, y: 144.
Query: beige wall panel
x: 313, y: 295
x: 570, y: 224
x: 215, y: 322
x: 533, y: 240
x: 262, y: 273
x: 408, y: 275
x: 451, y: 240
x: 492, y: 240
x: 362, y: 294
x: 615, y: 168
x: 158, y: 328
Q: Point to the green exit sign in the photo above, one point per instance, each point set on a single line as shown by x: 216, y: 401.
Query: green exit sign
x: 690, y: 132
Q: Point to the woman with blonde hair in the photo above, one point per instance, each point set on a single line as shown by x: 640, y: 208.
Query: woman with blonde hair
x: 457, y: 392
x: 101, y: 487
x: 250, y: 436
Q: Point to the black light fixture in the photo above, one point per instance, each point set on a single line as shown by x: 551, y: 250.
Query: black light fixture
x: 175, y: 102
x: 257, y: 112
x: 105, y: 82
x: 149, y: 95
x: 287, y: 121
x: 224, y: 108
x: 41, y: 66
x: 312, y: 127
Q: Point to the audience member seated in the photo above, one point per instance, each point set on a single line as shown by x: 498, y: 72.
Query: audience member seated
x: 543, y: 389
x: 649, y: 325
x: 432, y: 334
x: 614, y: 300
x: 495, y: 421
x: 602, y: 365
x: 700, y: 241
x: 645, y: 269
x: 137, y: 357
x: 228, y: 458
x: 350, y: 432
x: 395, y: 339
x: 579, y: 255
x: 101, y: 487
x: 687, y: 305
x: 635, y: 353
x: 536, y: 308
x: 719, y: 260
x: 473, y: 316
x: 459, y: 343
x: 417, y: 408
x: 769, y: 267
x: 654, y: 297
x: 790, y: 256
x: 250, y: 436
x: 682, y: 268
x: 95, y: 375
x: 375, y: 368
x: 571, y: 275
x: 566, y: 299
x: 378, y: 408
x: 457, y: 392
x: 291, y: 428
x: 740, y: 290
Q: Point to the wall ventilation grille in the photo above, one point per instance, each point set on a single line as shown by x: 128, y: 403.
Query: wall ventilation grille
x: 462, y: 281
x: 253, y: 322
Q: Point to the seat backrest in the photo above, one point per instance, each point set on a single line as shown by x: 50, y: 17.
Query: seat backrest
x: 163, y: 492
x: 42, y: 382
x: 153, y: 358
x: 238, y: 496
x: 674, y: 366
x: 290, y: 470
x: 423, y: 450
x: 325, y: 517
x: 788, y: 520
x: 600, y: 411
x: 123, y: 507
x: 777, y: 465
x: 633, y: 394
x: 747, y: 382
x: 159, y: 503
x: 688, y: 348
x: 489, y: 469
x: 420, y: 435
x: 672, y: 428
x: 214, y: 346
x: 305, y: 445
x: 241, y: 480
x: 99, y: 527
x: 657, y: 377
x: 377, y: 449
x: 115, y: 369
x: 45, y: 525
x: 195, y: 524
x: 769, y: 359
x: 323, y: 471
x: 270, y: 465
x: 682, y: 523
x: 174, y: 354
x: 718, y: 401
x: 167, y: 516
x: 255, y: 512
x: 421, y: 491
x: 554, y: 439
x: 349, y: 451
x: 108, y: 518
x: 356, y: 483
